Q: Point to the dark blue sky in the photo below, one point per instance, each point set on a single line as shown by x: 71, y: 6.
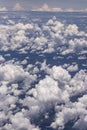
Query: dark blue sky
x: 28, y: 4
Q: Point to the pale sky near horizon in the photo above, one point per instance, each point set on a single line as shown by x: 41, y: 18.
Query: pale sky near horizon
x: 28, y: 4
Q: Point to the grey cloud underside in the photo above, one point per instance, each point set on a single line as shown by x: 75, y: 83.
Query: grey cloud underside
x: 26, y: 95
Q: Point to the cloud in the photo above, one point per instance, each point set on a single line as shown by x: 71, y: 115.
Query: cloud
x: 17, y: 7
x: 3, y: 9
x: 45, y: 7
x: 57, y: 34
x: 75, y: 10
x: 56, y: 88
x: 8, y: 74
x: 27, y: 92
x: 2, y: 59
x: 14, y: 36
x: 19, y: 122
x: 73, y: 68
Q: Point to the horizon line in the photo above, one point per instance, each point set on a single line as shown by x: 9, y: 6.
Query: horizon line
x: 45, y: 11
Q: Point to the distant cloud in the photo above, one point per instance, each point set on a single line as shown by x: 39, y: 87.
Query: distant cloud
x: 3, y: 9
x: 75, y: 10
x: 17, y: 7
x: 45, y: 7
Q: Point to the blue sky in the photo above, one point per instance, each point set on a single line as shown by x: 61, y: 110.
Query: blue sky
x: 28, y: 4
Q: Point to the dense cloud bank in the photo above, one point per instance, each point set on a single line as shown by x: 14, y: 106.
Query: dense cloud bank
x: 33, y: 90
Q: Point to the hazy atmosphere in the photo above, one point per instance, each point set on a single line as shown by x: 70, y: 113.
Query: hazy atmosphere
x: 46, y: 5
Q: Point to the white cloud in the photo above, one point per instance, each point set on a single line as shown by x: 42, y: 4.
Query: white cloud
x: 3, y: 9
x: 20, y: 122
x: 2, y: 59
x: 59, y: 73
x: 14, y: 36
x: 11, y: 73
x: 45, y: 7
x: 57, y: 89
x: 76, y: 10
x: 17, y: 7
x: 73, y: 68
x: 43, y: 91
x: 75, y: 112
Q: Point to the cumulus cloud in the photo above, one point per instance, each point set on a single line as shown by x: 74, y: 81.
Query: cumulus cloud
x: 20, y: 122
x: 58, y: 87
x: 3, y: 9
x: 14, y: 36
x: 17, y: 7
x: 45, y: 7
x: 31, y: 87
x: 59, y: 73
x: 11, y: 73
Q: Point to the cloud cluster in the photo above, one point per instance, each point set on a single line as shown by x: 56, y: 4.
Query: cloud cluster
x: 46, y: 8
x: 13, y: 79
x: 22, y: 103
x: 31, y: 87
x: 47, y: 38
